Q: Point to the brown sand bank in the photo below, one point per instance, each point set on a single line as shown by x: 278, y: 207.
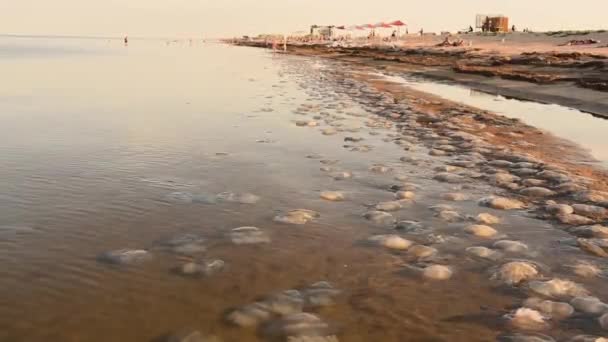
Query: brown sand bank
x: 536, y: 67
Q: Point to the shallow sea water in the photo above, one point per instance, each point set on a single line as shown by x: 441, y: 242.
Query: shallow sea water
x: 106, y: 147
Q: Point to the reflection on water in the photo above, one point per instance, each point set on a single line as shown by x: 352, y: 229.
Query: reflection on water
x: 157, y: 153
x: 582, y: 128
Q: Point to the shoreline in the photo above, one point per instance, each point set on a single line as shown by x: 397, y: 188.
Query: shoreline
x: 577, y: 80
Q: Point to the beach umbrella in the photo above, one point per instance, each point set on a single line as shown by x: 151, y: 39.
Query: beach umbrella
x: 398, y: 23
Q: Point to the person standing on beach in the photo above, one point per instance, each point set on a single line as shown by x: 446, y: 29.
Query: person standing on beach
x: 421, y: 32
x: 126, y: 40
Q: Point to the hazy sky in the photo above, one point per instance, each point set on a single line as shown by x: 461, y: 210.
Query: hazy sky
x: 221, y: 18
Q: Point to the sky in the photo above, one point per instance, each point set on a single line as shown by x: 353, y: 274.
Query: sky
x: 227, y: 18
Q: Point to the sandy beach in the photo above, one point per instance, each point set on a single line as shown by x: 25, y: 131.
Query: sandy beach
x: 530, y: 66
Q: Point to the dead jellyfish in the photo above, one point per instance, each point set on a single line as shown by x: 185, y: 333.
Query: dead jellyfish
x: 331, y: 338
x: 441, y: 207
x: 586, y: 270
x: 485, y: 218
x: 187, y: 244
x: 483, y: 252
x: 391, y: 241
x: 180, y: 197
x: 517, y: 337
x: 574, y: 219
x: 320, y: 294
x: 511, y: 246
x: 590, y: 305
x: 527, y: 319
x: 342, y: 175
x: 481, y: 231
x: 596, y: 231
x: 379, y: 168
x: 191, y: 336
x: 329, y: 131
x: 299, y: 325
x: 437, y: 272
x: 250, y: 316
x: 285, y: 303
x: 454, y: 196
x: 125, y: 256
x: 401, y: 178
x: 298, y: 216
x: 335, y: 196
x: 604, y: 321
x: 501, y: 203
x: 559, y: 209
x: 447, y: 177
x: 243, y: 198
x: 536, y: 191
x: 380, y: 218
x: 589, y: 210
x: 408, y: 195
x: 204, y: 269
x: 411, y: 227
x: 516, y: 272
x: 588, y: 338
x: 389, y: 206
x: 554, y: 310
x: 448, y: 215
x: 558, y: 288
x: 248, y: 236
x: 421, y: 251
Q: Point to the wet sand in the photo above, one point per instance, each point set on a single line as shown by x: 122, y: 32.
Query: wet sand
x: 186, y: 158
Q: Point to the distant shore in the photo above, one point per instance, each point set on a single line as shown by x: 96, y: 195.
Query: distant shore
x: 539, y: 67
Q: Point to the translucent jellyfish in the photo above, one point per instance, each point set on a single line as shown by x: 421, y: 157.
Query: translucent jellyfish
x: 485, y: 218
x: 320, y: 294
x: 205, y: 269
x: 391, y: 241
x: 511, y: 246
x: 515, y: 272
x: 536, y: 191
x: 454, y: 196
x: 603, y: 320
x: 380, y: 218
x: 483, y: 252
x: 389, y: 206
x: 401, y: 195
x: 248, y: 236
x: 243, y: 198
x: 187, y: 244
x: 125, y: 256
x: 378, y: 168
x: 298, y: 216
x: 501, y: 203
x: 586, y: 270
x: 481, y: 231
x: 437, y: 272
x: 527, y: 319
x: 250, y: 315
x: 447, y: 177
x: 555, y: 310
x: 590, y: 305
x: 335, y: 196
x: 299, y: 325
x: 558, y: 288
x: 517, y: 337
x: 285, y: 303
x: 421, y: 251
x: 192, y: 336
